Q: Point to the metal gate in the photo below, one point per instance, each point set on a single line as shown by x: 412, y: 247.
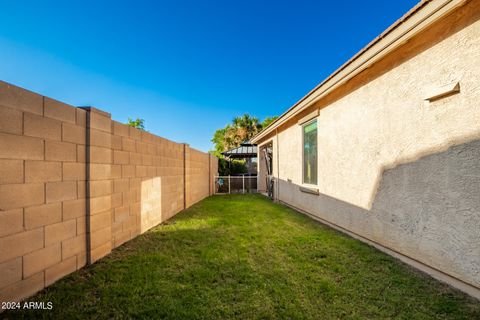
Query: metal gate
x: 235, y: 184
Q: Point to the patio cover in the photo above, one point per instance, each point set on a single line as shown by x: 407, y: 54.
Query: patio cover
x: 245, y: 150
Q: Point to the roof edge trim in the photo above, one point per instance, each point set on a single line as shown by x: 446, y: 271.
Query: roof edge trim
x: 414, y: 21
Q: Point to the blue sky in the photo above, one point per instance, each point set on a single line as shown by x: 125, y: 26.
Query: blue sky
x: 186, y: 67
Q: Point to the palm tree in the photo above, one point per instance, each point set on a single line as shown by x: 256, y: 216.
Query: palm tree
x: 242, y: 129
x: 246, y: 127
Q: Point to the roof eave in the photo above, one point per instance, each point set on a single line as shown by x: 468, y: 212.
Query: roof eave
x: 414, y: 21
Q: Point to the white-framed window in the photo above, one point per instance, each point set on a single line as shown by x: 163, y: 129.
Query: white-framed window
x: 309, y: 133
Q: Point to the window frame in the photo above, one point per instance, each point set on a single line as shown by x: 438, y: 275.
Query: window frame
x: 309, y: 122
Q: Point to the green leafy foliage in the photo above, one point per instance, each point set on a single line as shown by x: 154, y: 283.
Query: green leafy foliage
x: 137, y: 123
x: 267, y: 121
x: 231, y: 167
x: 242, y: 129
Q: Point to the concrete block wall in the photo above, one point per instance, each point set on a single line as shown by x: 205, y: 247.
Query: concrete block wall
x: 74, y: 185
x: 198, y: 172
x: 101, y: 172
x: 149, y: 186
x: 42, y: 191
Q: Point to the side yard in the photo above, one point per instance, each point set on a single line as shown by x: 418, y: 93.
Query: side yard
x: 242, y: 256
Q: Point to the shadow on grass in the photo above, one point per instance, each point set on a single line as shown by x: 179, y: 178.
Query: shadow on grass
x: 245, y: 257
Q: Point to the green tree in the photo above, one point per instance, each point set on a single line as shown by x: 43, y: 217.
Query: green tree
x: 137, y: 123
x: 267, y: 121
x: 219, y: 142
x: 245, y: 127
x: 241, y: 129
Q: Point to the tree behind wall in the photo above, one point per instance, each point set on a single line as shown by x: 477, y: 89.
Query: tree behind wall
x: 242, y: 129
x: 137, y: 123
x: 267, y: 121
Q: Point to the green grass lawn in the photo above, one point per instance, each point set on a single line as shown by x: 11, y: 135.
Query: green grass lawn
x: 244, y: 257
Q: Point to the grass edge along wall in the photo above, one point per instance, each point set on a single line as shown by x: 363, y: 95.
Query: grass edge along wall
x: 245, y: 257
x: 398, y: 144
x: 74, y: 185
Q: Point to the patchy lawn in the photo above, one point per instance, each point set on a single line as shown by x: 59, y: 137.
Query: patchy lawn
x: 245, y: 257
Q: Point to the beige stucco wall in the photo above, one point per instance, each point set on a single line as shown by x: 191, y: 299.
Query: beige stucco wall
x: 262, y: 172
x: 366, y: 135
x: 387, y: 122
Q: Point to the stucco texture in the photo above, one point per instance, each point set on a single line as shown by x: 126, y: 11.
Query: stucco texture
x: 397, y: 169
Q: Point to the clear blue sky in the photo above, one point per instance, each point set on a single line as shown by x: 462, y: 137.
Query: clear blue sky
x: 186, y: 67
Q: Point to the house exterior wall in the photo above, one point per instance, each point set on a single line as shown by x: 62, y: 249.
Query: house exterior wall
x: 262, y: 172
x: 74, y: 185
x: 394, y: 168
